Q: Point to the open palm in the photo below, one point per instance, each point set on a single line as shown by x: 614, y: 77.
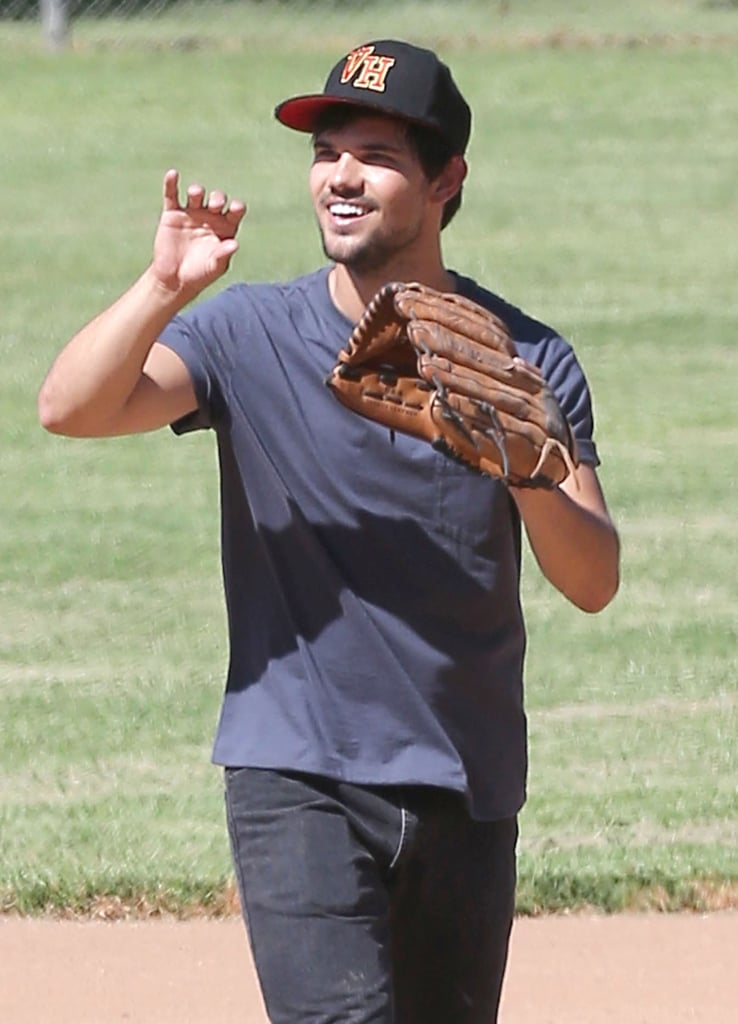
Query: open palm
x: 194, y: 242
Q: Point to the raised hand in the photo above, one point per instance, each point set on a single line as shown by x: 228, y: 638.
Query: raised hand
x: 194, y: 242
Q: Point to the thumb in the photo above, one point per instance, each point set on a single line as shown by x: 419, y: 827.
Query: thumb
x: 223, y: 254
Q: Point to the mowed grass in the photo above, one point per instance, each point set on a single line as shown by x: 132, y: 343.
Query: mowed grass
x: 601, y: 198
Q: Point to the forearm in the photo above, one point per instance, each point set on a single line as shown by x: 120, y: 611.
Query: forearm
x: 574, y: 541
x: 95, y: 374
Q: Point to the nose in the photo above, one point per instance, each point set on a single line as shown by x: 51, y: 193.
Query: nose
x: 346, y: 175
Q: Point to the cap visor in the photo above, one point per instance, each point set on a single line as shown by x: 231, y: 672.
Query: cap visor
x: 302, y: 112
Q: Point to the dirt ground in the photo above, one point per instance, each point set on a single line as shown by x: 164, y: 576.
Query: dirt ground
x: 630, y: 969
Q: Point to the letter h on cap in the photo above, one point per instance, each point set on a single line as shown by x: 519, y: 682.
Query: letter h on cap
x: 374, y: 69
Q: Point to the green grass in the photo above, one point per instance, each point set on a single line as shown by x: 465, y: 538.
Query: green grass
x: 601, y: 198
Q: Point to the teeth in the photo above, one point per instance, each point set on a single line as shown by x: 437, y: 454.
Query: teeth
x: 345, y: 210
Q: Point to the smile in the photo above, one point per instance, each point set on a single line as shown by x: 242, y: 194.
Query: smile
x: 344, y: 211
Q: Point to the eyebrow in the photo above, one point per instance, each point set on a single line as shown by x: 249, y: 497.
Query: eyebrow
x: 376, y: 145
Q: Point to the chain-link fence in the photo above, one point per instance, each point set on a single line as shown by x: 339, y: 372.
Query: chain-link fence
x: 73, y: 8
x: 58, y: 21
x: 196, y: 23
x: 55, y: 17
x: 309, y: 23
x: 183, y: 23
x: 63, y: 12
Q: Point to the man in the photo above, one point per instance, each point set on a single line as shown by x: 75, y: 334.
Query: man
x: 372, y: 731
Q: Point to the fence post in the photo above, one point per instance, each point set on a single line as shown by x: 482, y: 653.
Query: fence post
x: 55, y: 23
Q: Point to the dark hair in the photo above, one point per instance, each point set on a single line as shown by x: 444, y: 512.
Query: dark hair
x: 433, y: 154
x: 432, y: 151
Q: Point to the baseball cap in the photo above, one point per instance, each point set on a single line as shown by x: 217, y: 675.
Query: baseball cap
x: 389, y: 77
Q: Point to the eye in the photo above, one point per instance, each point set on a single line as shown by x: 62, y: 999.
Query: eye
x: 380, y: 157
x: 321, y: 154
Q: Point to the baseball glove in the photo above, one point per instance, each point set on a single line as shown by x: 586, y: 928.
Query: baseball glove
x: 441, y: 368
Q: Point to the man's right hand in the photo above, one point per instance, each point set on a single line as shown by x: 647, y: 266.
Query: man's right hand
x: 194, y: 242
x: 113, y: 377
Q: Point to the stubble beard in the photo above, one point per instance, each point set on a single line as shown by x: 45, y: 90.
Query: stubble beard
x: 369, y: 255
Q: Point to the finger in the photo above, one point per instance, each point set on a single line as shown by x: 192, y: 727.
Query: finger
x: 195, y: 197
x: 223, y: 254
x: 216, y: 201
x: 236, y: 212
x: 171, y: 190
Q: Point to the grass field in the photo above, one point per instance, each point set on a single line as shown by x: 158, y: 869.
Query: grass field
x: 603, y: 199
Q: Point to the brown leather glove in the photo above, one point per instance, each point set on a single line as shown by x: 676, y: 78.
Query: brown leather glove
x: 441, y: 368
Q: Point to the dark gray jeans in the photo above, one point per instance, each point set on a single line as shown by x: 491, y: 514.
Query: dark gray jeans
x: 387, y: 905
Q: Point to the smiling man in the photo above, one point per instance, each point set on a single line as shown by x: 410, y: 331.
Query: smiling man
x: 377, y: 210
x: 372, y: 731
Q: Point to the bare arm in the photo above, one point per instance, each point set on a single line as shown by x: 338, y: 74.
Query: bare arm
x: 573, y: 538
x: 113, y: 377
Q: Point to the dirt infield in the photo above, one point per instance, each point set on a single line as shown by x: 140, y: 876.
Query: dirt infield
x: 639, y: 969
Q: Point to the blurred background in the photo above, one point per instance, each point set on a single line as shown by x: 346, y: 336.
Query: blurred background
x: 602, y: 198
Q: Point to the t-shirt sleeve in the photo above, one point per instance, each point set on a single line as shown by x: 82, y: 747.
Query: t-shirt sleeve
x: 202, y: 338
x: 568, y: 382
x: 554, y: 356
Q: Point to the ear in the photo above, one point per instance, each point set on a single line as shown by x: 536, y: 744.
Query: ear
x: 450, y: 180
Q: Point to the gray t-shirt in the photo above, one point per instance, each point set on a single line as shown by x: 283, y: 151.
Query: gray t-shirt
x: 371, y: 583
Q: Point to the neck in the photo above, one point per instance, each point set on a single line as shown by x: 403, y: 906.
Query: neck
x: 351, y: 292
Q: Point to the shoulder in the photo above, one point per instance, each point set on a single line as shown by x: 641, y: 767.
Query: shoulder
x: 528, y: 332
x: 253, y: 310
x: 538, y: 342
x: 302, y: 305
x: 543, y: 346
x: 310, y: 285
x: 266, y: 295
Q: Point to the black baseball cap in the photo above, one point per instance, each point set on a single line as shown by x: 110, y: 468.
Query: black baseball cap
x: 389, y: 77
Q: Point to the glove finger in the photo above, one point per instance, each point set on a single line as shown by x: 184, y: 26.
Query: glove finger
x: 514, y: 376
x: 483, y: 416
x: 462, y: 350
x: 454, y: 313
x: 541, y: 409
x: 500, y: 445
x: 378, y: 333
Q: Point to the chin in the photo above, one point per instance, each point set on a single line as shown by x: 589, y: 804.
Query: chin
x: 340, y: 248
x: 363, y: 259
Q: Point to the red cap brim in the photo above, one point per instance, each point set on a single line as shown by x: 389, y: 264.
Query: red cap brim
x: 302, y: 112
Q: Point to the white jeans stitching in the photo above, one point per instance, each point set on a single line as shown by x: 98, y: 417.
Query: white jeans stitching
x: 403, y: 832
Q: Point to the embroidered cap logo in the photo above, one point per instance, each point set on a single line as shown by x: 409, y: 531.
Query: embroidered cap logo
x: 366, y: 70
